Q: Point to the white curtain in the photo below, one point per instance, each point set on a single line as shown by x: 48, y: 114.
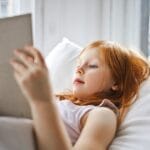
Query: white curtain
x: 15, y: 7
x: 83, y: 21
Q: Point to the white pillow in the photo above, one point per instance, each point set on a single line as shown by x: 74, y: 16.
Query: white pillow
x: 61, y: 62
x: 134, y: 132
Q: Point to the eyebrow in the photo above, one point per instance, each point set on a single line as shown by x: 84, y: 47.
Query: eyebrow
x: 87, y: 61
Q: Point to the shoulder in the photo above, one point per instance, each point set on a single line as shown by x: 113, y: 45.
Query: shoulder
x: 102, y: 116
x: 99, y: 126
x: 98, y: 114
x: 103, y: 111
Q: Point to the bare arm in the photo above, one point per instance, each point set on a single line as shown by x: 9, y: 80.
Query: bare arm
x: 99, y: 127
x: 49, y: 128
x: 97, y: 133
x: 32, y: 77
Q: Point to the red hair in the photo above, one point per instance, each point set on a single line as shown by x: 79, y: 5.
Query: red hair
x: 128, y: 69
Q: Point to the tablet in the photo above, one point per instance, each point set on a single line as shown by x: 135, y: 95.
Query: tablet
x: 15, y: 32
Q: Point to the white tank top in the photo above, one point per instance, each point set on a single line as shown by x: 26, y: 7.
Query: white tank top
x: 71, y: 115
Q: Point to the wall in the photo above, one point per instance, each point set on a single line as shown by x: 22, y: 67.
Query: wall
x: 86, y: 20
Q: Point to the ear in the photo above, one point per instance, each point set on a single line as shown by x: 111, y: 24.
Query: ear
x: 115, y: 87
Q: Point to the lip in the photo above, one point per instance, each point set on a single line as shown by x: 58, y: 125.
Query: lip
x: 78, y: 81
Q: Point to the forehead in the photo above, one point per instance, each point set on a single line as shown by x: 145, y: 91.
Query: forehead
x: 89, y: 54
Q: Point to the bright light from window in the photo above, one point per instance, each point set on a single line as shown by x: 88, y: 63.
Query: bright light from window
x: 15, y: 7
x: 149, y: 39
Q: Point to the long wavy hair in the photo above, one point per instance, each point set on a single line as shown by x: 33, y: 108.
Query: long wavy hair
x: 128, y: 69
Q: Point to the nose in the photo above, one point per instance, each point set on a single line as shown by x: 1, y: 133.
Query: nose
x: 80, y: 70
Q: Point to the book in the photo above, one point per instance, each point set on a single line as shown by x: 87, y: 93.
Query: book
x: 15, y: 32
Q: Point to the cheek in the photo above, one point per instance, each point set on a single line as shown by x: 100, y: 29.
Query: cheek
x: 93, y: 81
x: 99, y: 81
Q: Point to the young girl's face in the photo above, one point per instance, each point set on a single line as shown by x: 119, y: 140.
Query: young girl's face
x: 92, y: 74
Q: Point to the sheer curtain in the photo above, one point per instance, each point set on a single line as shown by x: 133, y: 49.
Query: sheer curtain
x: 125, y: 21
x: 15, y: 7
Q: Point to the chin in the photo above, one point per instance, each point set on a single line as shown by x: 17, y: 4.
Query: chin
x: 79, y: 95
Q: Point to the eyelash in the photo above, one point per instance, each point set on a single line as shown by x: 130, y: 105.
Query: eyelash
x: 93, y: 66
x: 90, y: 66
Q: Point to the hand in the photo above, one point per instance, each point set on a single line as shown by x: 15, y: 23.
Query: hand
x: 31, y: 74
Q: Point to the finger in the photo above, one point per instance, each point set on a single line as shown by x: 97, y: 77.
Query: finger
x: 24, y: 57
x: 17, y: 76
x: 24, y: 53
x: 18, y: 66
x: 38, y: 58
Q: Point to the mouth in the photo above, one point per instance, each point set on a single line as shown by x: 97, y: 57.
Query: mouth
x: 78, y: 81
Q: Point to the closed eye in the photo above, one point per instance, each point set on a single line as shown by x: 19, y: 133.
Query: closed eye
x: 93, y: 66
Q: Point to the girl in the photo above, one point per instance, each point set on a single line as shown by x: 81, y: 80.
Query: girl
x: 107, y: 76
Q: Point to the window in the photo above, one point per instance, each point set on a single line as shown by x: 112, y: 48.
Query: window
x: 3, y: 8
x: 15, y: 7
x: 149, y: 39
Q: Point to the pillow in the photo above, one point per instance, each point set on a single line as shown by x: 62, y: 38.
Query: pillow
x: 61, y: 62
x: 134, y: 132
